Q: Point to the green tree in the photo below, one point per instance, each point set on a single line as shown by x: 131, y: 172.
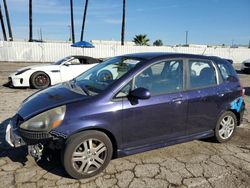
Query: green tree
x: 158, y: 43
x: 141, y: 40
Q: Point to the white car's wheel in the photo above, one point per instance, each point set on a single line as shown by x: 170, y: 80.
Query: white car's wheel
x: 39, y: 80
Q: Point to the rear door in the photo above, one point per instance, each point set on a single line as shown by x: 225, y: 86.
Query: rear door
x: 206, y: 96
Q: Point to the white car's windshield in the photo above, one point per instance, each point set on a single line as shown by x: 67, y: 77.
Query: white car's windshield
x: 98, y: 78
x: 59, y: 62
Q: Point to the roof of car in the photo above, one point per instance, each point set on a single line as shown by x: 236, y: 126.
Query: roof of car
x: 153, y: 55
x: 82, y: 57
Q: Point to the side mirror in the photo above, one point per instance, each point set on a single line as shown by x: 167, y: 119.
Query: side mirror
x: 140, y: 93
x: 67, y: 64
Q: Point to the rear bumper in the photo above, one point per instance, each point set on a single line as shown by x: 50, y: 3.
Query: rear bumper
x: 242, y: 112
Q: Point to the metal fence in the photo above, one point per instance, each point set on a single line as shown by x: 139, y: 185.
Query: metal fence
x: 49, y: 52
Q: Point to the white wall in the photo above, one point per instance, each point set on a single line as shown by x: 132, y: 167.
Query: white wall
x: 49, y: 52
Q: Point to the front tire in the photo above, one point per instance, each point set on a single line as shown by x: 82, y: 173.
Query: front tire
x: 39, y: 80
x: 225, y: 127
x: 87, y: 154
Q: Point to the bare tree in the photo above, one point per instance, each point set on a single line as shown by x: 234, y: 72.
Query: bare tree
x: 72, y: 21
x: 8, y: 20
x: 123, y: 22
x: 2, y: 24
x: 84, y: 18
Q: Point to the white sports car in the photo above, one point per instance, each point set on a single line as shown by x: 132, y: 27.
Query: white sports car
x: 42, y: 76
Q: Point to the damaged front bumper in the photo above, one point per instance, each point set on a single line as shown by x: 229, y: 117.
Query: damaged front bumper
x: 11, y: 136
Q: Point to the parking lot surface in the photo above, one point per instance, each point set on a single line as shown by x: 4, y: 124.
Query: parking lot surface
x: 200, y: 163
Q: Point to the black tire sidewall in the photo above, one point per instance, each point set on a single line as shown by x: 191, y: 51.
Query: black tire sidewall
x: 33, y: 82
x: 74, y: 141
x: 217, y: 136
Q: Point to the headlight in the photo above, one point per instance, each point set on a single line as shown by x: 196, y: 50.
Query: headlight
x: 22, y: 71
x: 45, y: 121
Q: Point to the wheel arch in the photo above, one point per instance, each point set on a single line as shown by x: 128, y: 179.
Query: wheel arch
x: 49, y: 76
x: 237, y: 114
x: 108, y: 133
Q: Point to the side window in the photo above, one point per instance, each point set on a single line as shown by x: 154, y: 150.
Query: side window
x: 161, y: 78
x: 74, y: 62
x: 124, y: 91
x: 226, y: 71
x: 202, y: 74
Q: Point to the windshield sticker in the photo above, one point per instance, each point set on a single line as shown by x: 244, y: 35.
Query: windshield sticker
x: 236, y: 104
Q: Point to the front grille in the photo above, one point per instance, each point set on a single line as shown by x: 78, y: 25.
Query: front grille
x: 247, y: 64
x: 32, y: 135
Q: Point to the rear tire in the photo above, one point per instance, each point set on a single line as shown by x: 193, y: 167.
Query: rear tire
x: 225, y: 127
x: 87, y: 154
x: 39, y: 80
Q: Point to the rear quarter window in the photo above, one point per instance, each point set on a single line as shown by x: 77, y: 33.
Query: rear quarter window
x: 227, y: 71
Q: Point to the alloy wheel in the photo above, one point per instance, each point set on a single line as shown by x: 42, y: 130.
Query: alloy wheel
x: 89, y: 156
x: 227, y: 125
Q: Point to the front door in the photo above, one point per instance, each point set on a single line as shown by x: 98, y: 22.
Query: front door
x: 163, y: 116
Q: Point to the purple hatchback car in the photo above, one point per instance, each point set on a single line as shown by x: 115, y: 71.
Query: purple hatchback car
x: 130, y: 104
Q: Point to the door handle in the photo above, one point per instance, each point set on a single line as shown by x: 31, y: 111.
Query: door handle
x: 221, y: 94
x: 177, y: 100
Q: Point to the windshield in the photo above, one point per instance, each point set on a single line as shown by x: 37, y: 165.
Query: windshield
x: 59, y: 62
x: 98, y: 78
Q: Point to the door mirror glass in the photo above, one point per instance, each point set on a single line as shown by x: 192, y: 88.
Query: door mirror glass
x: 140, y: 93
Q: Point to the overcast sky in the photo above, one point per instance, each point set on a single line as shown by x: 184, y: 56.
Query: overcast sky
x: 208, y: 21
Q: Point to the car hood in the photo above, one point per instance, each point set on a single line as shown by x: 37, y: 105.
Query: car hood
x: 47, y: 99
x: 40, y: 67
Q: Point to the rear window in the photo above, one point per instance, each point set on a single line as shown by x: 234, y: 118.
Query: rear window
x: 227, y: 71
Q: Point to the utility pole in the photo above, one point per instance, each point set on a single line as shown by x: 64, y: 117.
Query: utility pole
x: 186, y: 38
x: 30, y: 22
x: 41, y: 34
x: 84, y: 19
x: 8, y: 20
x: 2, y: 24
x: 72, y: 21
x: 123, y: 22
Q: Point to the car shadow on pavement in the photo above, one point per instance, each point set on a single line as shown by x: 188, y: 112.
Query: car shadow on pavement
x: 50, y: 160
x: 7, y: 85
